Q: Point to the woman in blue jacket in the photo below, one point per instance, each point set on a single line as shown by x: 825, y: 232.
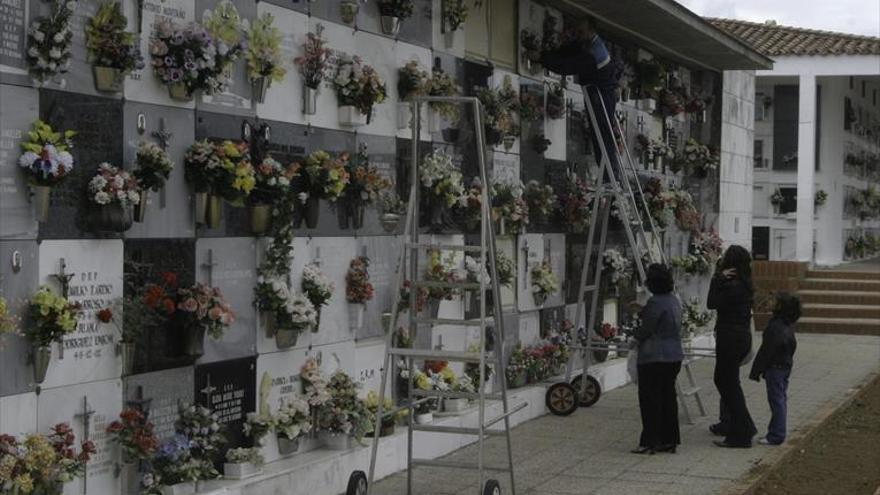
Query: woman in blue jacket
x: 659, y: 361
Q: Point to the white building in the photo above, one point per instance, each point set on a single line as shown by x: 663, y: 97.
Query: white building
x: 817, y: 129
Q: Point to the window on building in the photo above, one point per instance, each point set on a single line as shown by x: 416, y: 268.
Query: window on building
x: 761, y: 243
x: 760, y: 161
x: 785, y: 127
x: 789, y: 200
x: 761, y: 107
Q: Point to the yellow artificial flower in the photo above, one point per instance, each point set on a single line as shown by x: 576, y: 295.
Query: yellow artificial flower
x: 24, y: 483
x: 422, y: 382
x: 66, y: 321
x: 448, y: 376
x: 230, y: 149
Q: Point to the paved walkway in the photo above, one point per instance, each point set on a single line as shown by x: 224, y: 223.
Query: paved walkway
x: 588, y: 452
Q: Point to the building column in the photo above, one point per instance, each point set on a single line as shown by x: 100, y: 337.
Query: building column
x: 806, y: 172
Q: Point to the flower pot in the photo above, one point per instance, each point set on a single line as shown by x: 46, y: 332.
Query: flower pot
x: 356, y: 316
x: 308, y: 212
x: 185, y: 488
x: 239, y: 470
x: 310, y: 100
x: 41, y: 195
x: 350, y: 116
x: 126, y: 352
x: 287, y: 446
x: 213, y: 211
x: 194, y: 343
x: 386, y: 320
x: 390, y: 25
x: 455, y: 405
x: 178, y: 92
x: 540, y: 298
x: 357, y: 216
x: 285, y: 338
x: 348, y: 10
x: 342, y: 216
x: 260, y: 86
x: 389, y: 221
x: 508, y: 142
x: 424, y: 418
x: 449, y: 38
x: 519, y: 380
x: 387, y: 430
x: 140, y: 209
x: 336, y: 441
x: 433, y: 308
x: 260, y: 218
x: 404, y: 115
x: 42, y: 356
x: 108, y: 79
x: 111, y: 218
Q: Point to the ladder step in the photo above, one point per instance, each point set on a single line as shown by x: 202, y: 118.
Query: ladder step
x: 462, y: 356
x: 448, y: 394
x: 447, y: 285
x: 449, y: 321
x: 443, y: 463
x: 460, y: 430
x: 443, y: 247
x: 515, y: 409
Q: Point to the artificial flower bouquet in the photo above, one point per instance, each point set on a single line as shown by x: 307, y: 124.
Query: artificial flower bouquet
x: 660, y: 202
x: 153, y: 166
x: 321, y: 176
x: 402, y: 9
x: 555, y: 102
x: 134, y: 435
x: 515, y: 372
x: 113, y: 186
x: 8, y: 322
x: 404, y: 300
x: 313, y: 63
x: 655, y: 149
x: 575, y: 201
x: 442, y: 269
x: 37, y: 464
x: 272, y: 182
x: 443, y: 84
x: 371, y: 402
x: 204, y: 308
x: 285, y: 310
x: 455, y: 13
x: 531, y: 45
x: 257, y: 426
x: 202, y: 427
x: 617, y: 266
x: 358, y: 85
x: 470, y: 206
x: 509, y: 208
x: 345, y: 413
x: 174, y: 463
x: 544, y: 282
x: 506, y: 269
x: 412, y: 81
x: 293, y: 418
x: 501, y: 107
x: 358, y: 289
x: 316, y: 286
x: 365, y: 184
x: 314, y: 383
x: 265, y: 62
x: 50, y: 317
x: 441, y: 179
x: 698, y: 159
x: 49, y: 42
x: 243, y: 455
x: 531, y: 107
x: 235, y: 177
x: 541, y: 200
x: 46, y: 157
x: 114, y: 52
x: 694, y: 318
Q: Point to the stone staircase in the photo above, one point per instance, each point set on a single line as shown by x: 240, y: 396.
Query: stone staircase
x: 834, y: 301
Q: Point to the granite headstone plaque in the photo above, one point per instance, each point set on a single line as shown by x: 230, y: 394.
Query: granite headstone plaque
x: 13, y: 39
x: 16, y: 287
x: 19, y: 110
x: 554, y: 252
x: 160, y: 395
x: 229, y: 389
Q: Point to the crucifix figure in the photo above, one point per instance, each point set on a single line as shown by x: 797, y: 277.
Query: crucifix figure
x: 140, y: 403
x: 163, y: 135
x: 63, y: 277
x: 86, y: 417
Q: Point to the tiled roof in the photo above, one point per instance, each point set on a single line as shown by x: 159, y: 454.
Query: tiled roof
x: 772, y: 39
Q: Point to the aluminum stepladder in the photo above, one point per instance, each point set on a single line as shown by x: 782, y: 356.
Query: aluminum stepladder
x: 408, y: 266
x: 614, y: 185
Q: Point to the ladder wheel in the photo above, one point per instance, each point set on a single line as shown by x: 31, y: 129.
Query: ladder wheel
x: 492, y: 488
x: 561, y: 399
x: 591, y: 394
x: 357, y: 484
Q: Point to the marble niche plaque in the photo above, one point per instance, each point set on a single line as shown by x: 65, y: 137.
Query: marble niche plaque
x: 19, y: 109
x: 229, y: 264
x: 383, y: 252
x: 16, y: 287
x: 529, y: 328
x: 13, y: 42
x: 95, y: 270
x: 228, y: 388
x: 284, y: 98
x: 531, y: 131
x: 160, y: 395
x: 98, y: 125
x: 505, y: 168
x: 530, y: 253
x: 88, y: 409
x: 236, y: 98
x: 17, y: 414
x: 554, y: 251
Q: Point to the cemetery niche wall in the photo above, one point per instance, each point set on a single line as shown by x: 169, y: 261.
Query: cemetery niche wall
x: 200, y: 214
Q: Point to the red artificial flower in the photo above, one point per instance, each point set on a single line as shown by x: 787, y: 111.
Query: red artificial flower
x: 105, y: 315
x: 114, y: 427
x: 169, y: 279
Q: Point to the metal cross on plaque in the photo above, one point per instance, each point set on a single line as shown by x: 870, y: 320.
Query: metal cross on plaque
x: 208, y: 391
x: 63, y: 277
x: 140, y: 402
x: 163, y: 135
x: 86, y: 417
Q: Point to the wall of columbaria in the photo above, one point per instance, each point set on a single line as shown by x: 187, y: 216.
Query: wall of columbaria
x: 86, y: 371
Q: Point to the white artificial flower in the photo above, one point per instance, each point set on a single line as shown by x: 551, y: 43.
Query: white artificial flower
x: 102, y: 198
x: 54, y: 53
x: 134, y: 197
x: 303, y: 197
x: 27, y: 159
x: 58, y: 38
x: 52, y: 66
x: 32, y: 51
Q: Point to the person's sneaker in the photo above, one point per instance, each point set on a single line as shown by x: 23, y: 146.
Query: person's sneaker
x: 764, y: 441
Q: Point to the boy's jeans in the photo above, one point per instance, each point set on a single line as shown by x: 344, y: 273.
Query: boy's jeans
x: 777, y: 385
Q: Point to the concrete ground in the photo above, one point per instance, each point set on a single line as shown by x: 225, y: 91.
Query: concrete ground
x: 588, y: 452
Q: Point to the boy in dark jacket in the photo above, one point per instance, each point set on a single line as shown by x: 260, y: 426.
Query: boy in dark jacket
x: 773, y: 362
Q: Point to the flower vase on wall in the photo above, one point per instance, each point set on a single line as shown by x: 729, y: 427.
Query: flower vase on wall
x: 404, y: 115
x: 390, y: 25
x: 350, y: 116
x: 310, y: 100
x: 41, y: 356
x: 285, y: 338
x: 108, y: 79
x: 260, y: 86
x: 41, y: 197
x: 348, y: 11
x: 287, y: 446
x: 356, y: 316
x: 260, y: 218
x: 112, y: 218
x: 179, y: 92
x: 194, y: 343
x: 307, y: 211
x: 126, y: 352
x: 389, y: 221
x: 140, y: 209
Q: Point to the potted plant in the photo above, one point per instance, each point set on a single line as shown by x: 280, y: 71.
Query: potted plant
x: 515, y: 372
x: 500, y: 107
x: 363, y: 190
x: 42, y: 464
x: 49, y: 42
x: 344, y: 417
x: 271, y: 190
x: 820, y: 198
x: 263, y: 55
x: 175, y: 470
x: 697, y: 159
x: 442, y: 186
x: 320, y: 176
x: 285, y: 315
x: 113, y: 193
x: 258, y: 425
x: 313, y: 68
x: 152, y: 169
x: 348, y: 10
x: 292, y: 421
x: 544, y: 282
x: 541, y: 201
x: 555, y: 102
x: 242, y: 463
x: 202, y: 309
x: 50, y: 318
x: 412, y: 81
x: 442, y: 84
x: 530, y: 42
x: 776, y: 200
x: 46, y: 160
x: 575, y: 201
x: 389, y: 420
x: 358, y: 89
x: 392, y: 12
x: 317, y: 288
x: 392, y: 209
x: 510, y: 211
x: 455, y: 13
x: 441, y: 269
x: 114, y: 51
x: 461, y: 384
x: 358, y: 291
x: 134, y: 435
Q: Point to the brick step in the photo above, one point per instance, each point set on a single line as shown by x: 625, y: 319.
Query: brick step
x: 849, y: 326
x: 839, y: 297
x: 843, y: 274
x: 841, y: 311
x: 840, y: 284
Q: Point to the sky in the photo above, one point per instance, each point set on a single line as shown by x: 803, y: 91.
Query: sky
x: 847, y: 16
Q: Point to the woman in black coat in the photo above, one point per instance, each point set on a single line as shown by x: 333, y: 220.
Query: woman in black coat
x: 731, y: 294
x: 659, y: 361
